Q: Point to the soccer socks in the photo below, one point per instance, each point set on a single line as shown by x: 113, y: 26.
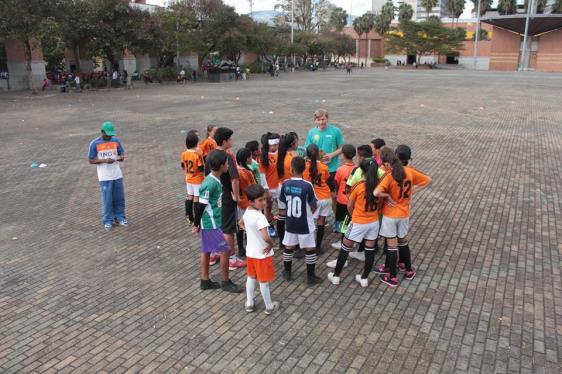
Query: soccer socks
x: 361, y: 247
x: 369, y: 261
x: 392, y: 259
x: 310, y: 260
x: 266, y: 295
x: 189, y: 209
x: 288, y: 260
x: 281, y: 230
x: 250, y: 287
x: 240, y: 241
x: 342, y: 258
x: 405, y: 255
x: 319, y: 236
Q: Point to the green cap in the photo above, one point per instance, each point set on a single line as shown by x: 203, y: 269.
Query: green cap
x: 108, y: 128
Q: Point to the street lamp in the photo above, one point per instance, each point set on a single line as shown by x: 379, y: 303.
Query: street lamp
x: 476, y: 36
x: 292, y: 31
x: 524, y: 65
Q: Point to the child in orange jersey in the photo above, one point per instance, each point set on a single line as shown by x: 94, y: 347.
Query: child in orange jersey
x: 268, y: 173
x: 364, y: 226
x: 209, y: 144
x: 317, y: 173
x: 397, y: 187
x: 287, y: 150
x: 342, y: 175
x: 194, y: 166
x: 243, y: 158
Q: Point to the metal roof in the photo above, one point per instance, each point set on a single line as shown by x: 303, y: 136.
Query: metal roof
x: 538, y: 23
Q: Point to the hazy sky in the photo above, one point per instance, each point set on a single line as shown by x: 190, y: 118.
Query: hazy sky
x: 359, y: 6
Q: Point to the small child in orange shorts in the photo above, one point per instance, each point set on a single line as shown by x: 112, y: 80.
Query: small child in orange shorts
x: 259, y: 250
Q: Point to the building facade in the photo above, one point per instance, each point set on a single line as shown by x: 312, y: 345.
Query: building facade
x: 439, y: 10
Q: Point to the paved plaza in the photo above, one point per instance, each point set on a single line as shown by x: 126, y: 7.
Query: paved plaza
x: 486, y: 237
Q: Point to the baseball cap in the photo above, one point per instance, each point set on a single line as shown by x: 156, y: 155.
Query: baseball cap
x: 108, y: 128
x: 403, y: 152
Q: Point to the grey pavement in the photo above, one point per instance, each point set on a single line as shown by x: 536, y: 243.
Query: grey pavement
x: 486, y: 237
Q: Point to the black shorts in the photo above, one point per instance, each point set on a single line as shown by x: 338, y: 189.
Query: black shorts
x: 228, y: 217
x: 341, y: 212
x: 331, y: 181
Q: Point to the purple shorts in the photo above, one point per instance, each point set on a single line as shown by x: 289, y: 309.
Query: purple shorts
x: 212, y: 240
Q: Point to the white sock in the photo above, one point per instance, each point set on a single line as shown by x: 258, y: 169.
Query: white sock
x: 264, y: 289
x: 250, y: 287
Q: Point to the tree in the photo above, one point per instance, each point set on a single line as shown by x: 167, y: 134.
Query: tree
x: 75, y: 25
x: 308, y: 15
x: 405, y: 12
x: 115, y: 31
x: 557, y: 7
x: 364, y: 25
x: 482, y: 35
x: 344, y: 45
x: 384, y: 19
x: 338, y: 18
x: 484, y: 6
x: 428, y: 5
x: 388, y: 10
x: 455, y: 8
x: 541, y: 4
x: 506, y: 7
x: 428, y: 37
x: 24, y: 21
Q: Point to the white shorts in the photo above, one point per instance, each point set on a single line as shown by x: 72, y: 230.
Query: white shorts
x: 323, y: 209
x: 302, y: 240
x: 357, y: 232
x: 394, y: 227
x: 193, y: 189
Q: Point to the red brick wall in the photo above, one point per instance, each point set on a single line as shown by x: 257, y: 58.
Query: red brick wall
x: 15, y: 51
x: 549, y: 56
x: 504, y: 54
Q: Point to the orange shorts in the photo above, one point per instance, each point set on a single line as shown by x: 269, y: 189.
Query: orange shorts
x: 262, y: 269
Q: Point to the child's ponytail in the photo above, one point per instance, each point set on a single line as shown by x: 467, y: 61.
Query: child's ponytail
x: 312, y: 152
x: 370, y: 168
x: 285, y: 145
x: 242, y: 157
x: 265, y: 149
x: 398, y: 173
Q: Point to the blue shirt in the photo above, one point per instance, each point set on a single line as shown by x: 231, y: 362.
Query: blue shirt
x: 298, y: 195
x: 104, y: 149
x: 328, y: 140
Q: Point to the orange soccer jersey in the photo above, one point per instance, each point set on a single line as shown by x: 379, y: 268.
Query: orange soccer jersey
x: 246, y: 180
x: 287, y: 174
x: 320, y: 183
x: 401, y: 194
x: 360, y: 215
x: 342, y: 175
x: 207, y: 145
x: 192, y: 162
x: 271, y: 175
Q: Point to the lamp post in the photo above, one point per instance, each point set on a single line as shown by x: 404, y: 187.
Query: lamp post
x: 476, y: 36
x: 293, y: 32
x: 177, y: 46
x: 523, y: 65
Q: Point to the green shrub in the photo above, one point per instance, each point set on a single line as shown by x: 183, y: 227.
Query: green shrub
x: 255, y: 67
x: 378, y: 59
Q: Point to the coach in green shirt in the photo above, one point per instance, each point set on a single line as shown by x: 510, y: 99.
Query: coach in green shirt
x: 330, y: 141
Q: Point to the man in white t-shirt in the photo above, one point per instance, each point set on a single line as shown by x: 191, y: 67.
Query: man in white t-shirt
x: 105, y: 152
x: 259, y: 250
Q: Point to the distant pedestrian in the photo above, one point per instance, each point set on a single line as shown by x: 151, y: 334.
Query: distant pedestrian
x: 45, y: 84
x: 77, y: 82
x: 104, y: 152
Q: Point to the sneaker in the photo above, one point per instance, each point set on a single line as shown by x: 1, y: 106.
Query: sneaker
x: 409, y: 275
x: 207, y: 284
x: 271, y: 231
x: 336, y: 245
x: 381, y: 269
x: 401, y: 267
x: 391, y: 281
x: 359, y: 256
x: 213, y: 259
x: 236, y: 263
x: 333, y: 279
x: 273, y: 308
x: 332, y: 264
x: 287, y: 275
x: 250, y: 308
x: 362, y: 281
x: 313, y: 280
x: 107, y: 227
x: 230, y: 286
x: 123, y: 223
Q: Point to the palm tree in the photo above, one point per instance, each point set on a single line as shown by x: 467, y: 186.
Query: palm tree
x: 358, y: 27
x: 405, y: 12
x: 557, y: 7
x: 484, y: 6
x: 364, y: 25
x: 541, y: 4
x: 428, y: 5
x: 506, y: 7
x: 455, y: 8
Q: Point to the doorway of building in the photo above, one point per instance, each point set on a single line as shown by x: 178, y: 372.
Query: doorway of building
x: 452, y: 59
x: 410, y: 59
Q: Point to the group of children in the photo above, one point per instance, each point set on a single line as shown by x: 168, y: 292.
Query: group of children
x: 231, y: 198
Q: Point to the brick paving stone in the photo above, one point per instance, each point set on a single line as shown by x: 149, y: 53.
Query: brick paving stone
x: 485, y: 237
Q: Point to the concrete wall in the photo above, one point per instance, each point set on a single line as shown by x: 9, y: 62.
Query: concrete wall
x: 145, y: 62
x: 549, y: 55
x: 482, y: 62
x: 3, y: 85
x: 504, y: 53
x: 17, y: 67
